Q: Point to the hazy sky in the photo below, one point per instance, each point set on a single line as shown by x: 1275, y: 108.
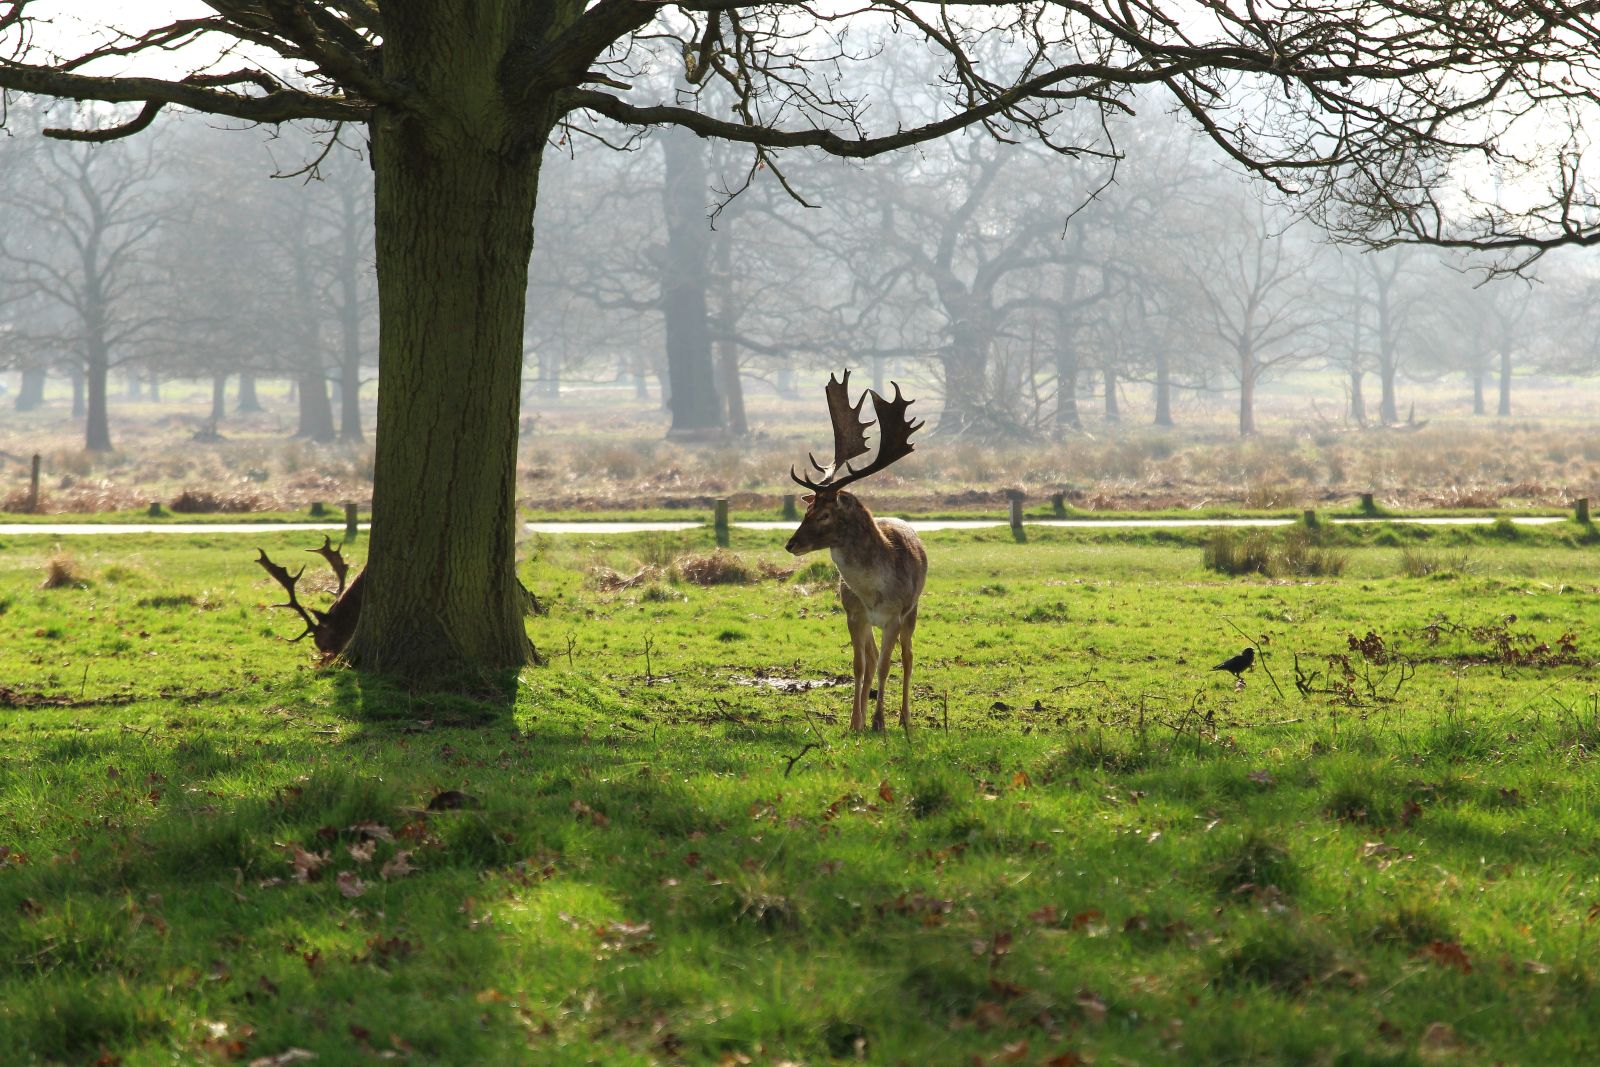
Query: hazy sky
x: 68, y: 25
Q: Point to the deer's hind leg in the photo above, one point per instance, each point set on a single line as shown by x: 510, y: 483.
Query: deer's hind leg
x: 907, y: 627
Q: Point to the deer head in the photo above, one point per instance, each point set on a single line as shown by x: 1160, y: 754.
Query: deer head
x: 828, y: 510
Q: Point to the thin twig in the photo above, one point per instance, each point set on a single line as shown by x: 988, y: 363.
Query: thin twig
x: 797, y: 757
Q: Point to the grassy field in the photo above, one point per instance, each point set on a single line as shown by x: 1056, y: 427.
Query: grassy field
x: 665, y: 847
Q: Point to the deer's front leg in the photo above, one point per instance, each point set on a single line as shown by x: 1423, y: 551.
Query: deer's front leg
x: 866, y: 660
x: 906, y: 630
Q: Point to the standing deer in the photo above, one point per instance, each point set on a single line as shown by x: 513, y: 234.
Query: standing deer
x: 882, y: 566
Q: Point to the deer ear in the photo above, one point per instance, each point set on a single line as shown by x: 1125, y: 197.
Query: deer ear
x: 808, y: 498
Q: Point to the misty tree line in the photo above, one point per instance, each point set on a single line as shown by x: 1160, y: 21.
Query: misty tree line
x: 1027, y: 290
x: 175, y: 256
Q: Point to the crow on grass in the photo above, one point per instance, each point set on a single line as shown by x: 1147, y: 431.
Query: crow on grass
x: 1237, y: 665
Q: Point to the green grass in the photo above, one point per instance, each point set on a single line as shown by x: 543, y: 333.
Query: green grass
x: 1090, y: 845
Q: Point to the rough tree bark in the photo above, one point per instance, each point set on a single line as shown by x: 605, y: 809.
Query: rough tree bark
x: 457, y: 177
x: 219, y: 399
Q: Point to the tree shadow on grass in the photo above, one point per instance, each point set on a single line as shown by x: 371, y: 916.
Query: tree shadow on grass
x: 485, y: 700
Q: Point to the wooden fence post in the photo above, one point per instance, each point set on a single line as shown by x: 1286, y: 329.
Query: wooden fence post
x: 1058, y: 504
x: 33, y: 487
x: 1368, y: 505
x: 1580, y: 510
x: 719, y: 521
x: 351, y: 529
x: 1016, y: 496
x: 790, y: 512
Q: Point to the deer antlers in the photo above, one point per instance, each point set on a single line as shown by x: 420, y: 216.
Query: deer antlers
x: 849, y: 435
x: 329, y: 630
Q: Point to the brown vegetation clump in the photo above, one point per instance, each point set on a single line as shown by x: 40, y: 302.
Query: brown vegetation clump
x: 17, y: 502
x: 61, y: 572
x: 1294, y: 554
x: 719, y: 568
x: 608, y: 580
x: 206, y: 502
x: 778, y: 572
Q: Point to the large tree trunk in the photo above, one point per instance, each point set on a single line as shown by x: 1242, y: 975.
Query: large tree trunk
x: 732, y: 388
x: 1163, y: 388
x: 549, y: 373
x: 97, y: 423
x: 966, y: 364
x: 1067, y: 417
x: 349, y: 318
x: 696, y: 407
x: 31, y: 392
x: 316, y: 411
x: 1247, y: 391
x: 1505, y: 380
x: 155, y: 387
x: 1108, y: 375
x: 79, y: 401
x: 1478, y: 407
x: 1358, y: 400
x: 96, y: 358
x: 456, y: 187
x: 1388, y: 406
x: 247, y: 402
x: 219, y: 399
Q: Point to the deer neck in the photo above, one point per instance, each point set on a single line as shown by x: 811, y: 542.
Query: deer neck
x: 860, y: 546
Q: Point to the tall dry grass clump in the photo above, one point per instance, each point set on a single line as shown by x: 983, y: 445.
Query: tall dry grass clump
x: 1293, y: 554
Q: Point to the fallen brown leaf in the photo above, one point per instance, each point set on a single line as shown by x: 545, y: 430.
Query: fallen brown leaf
x: 396, y: 866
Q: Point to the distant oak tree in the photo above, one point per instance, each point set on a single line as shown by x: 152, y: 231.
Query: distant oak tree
x: 459, y: 99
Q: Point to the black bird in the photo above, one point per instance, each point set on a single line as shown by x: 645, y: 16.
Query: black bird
x: 1237, y: 665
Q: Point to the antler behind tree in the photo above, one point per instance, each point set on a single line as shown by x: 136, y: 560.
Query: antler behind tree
x: 282, y: 576
x: 849, y: 435
x: 335, y: 560
x: 329, y: 630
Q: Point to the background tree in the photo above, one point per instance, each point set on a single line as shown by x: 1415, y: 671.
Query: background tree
x: 93, y: 214
x: 1258, y: 293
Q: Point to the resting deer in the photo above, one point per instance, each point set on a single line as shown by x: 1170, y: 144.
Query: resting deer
x: 882, y: 566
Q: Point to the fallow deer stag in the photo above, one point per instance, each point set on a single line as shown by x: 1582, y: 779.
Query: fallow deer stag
x: 882, y: 566
x: 329, y: 630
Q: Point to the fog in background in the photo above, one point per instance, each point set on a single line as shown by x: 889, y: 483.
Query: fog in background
x: 199, y: 275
